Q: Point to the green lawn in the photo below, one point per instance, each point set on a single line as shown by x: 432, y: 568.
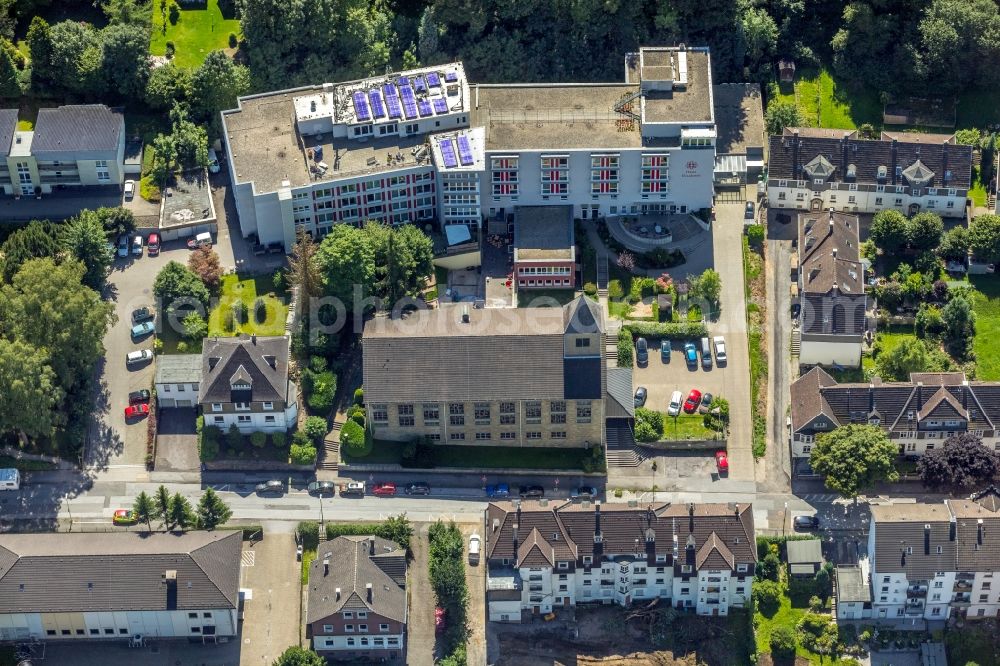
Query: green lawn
x: 485, y: 457
x: 986, y: 302
x: 687, y: 426
x: 196, y: 33
x: 978, y: 192
x: 789, y: 616
x: 822, y: 103
x: 307, y: 558
x: 532, y: 298
x: 893, y: 336
x: 236, y: 288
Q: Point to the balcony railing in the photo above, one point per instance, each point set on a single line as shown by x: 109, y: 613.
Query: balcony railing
x: 962, y: 598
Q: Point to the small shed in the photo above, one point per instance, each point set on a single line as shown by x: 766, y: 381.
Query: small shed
x: 786, y: 70
x: 804, y: 557
x: 854, y: 596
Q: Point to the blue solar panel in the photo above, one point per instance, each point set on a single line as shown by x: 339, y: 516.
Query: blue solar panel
x: 378, y: 109
x: 424, y: 107
x: 464, y: 150
x: 392, y: 101
x: 448, y: 153
x: 433, y: 80
x: 404, y: 81
x: 440, y: 105
x: 451, y: 77
x: 409, y: 102
x: 419, y: 84
x: 361, y: 106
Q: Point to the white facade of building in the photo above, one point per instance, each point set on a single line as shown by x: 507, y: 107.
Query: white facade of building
x: 267, y: 420
x: 848, y: 198
x: 360, y: 642
x: 118, y: 625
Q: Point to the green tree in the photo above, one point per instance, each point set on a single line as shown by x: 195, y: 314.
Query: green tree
x: 181, y: 515
x: 889, y: 230
x: 767, y: 594
x: 854, y: 457
x: 204, y: 262
x: 760, y: 34
x: 346, y: 261
x: 782, y: 642
x: 959, y: 325
x: 190, y: 141
x: 125, y: 52
x: 297, y: 656
x: 925, y: 230
x: 195, y: 326
x: 145, y: 509
x: 117, y: 220
x: 161, y: 502
x: 40, y: 48
x: 769, y: 567
x: 304, y: 273
x: 73, y: 332
x: 77, y: 58
x: 910, y: 355
x: 403, y: 258
x: 315, y: 428
x: 29, y: 392
x: 216, y: 84
x: 928, y: 323
x: 953, y: 37
x: 954, y: 244
x: 177, y: 284
x: 34, y: 241
x: 353, y: 439
x: 212, y: 511
x: 168, y: 85
x: 781, y: 114
x: 707, y: 287
x: 984, y: 238
x: 84, y: 237
x: 122, y: 11
x: 10, y: 75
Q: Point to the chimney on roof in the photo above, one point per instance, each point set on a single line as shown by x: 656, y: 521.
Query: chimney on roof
x: 691, y: 516
x: 834, y: 253
x: 514, y: 534
x: 337, y: 592
x: 496, y: 524
x: 326, y: 564
x: 597, y: 522
x: 368, y: 591
x: 253, y: 338
x: 829, y: 227
x: 371, y: 546
x: 979, y: 531
x: 920, y: 395
x: 170, y: 580
x: 465, y: 314
x: 952, y: 528
x: 927, y: 539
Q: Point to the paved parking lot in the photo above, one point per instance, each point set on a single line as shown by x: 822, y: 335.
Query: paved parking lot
x: 475, y: 579
x: 661, y: 379
x: 176, y: 441
x: 271, y: 619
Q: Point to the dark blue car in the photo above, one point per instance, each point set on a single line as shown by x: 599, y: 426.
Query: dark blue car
x: 499, y: 490
x: 691, y: 354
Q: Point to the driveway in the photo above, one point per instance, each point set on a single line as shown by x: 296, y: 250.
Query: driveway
x: 475, y: 580
x: 420, y: 626
x: 661, y: 379
x: 177, y: 441
x: 272, y: 616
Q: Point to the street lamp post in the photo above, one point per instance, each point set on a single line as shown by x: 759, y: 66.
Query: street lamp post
x: 784, y: 519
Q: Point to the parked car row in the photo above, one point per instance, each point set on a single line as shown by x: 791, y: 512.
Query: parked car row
x: 350, y: 489
x: 696, y: 401
x: 151, y: 242
x: 690, y: 352
x: 502, y: 490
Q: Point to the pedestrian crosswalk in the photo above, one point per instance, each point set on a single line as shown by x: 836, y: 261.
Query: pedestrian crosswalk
x: 820, y: 498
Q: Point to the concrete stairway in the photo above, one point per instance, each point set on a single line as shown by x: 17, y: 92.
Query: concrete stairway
x: 622, y: 451
x: 330, y: 457
x: 796, y: 342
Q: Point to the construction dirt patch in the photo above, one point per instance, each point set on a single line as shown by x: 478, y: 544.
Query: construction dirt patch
x: 602, y: 636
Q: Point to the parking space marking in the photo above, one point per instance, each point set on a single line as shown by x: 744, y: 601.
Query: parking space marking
x: 247, y: 558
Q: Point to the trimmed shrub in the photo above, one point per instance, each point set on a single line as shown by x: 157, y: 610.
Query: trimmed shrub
x: 755, y: 235
x: 170, y: 48
x: 308, y: 533
x: 234, y: 439
x: 782, y: 642
x: 182, y: 347
x: 324, y: 387
x: 353, y: 439
x: 669, y: 330
x: 279, y: 439
x: 259, y: 311
x: 767, y: 594
x: 359, y: 396
x: 615, y: 290
x: 233, y: 42
x: 315, y: 428
x: 258, y: 439
x: 240, y: 312
x: 303, y: 455
x: 299, y: 438
x: 590, y: 289
x: 626, y: 349
x: 317, y: 363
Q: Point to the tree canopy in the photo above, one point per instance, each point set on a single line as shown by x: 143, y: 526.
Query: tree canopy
x: 889, y: 230
x: 297, y: 656
x: 962, y: 463
x: 984, y: 238
x: 176, y: 284
x: 84, y: 238
x: 853, y: 458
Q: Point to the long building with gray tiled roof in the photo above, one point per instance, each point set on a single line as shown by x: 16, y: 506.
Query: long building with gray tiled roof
x: 493, y: 377
x: 935, y: 560
x: 918, y: 415
x: 542, y: 555
x: 811, y: 169
x: 79, y: 586
x: 357, y: 599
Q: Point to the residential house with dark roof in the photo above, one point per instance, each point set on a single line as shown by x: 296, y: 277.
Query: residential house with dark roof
x: 70, y: 146
x: 918, y: 415
x: 819, y: 169
x: 493, y: 377
x: 100, y: 586
x: 543, y: 555
x: 933, y: 560
x: 357, y: 599
x: 245, y: 382
x: 831, y: 290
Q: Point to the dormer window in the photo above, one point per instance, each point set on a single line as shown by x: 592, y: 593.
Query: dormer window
x: 240, y: 387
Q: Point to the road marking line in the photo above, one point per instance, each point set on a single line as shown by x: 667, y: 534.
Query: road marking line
x: 247, y: 558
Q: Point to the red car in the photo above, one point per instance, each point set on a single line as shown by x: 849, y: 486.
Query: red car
x: 692, y: 402
x: 135, y: 411
x: 722, y: 462
x: 153, y: 245
x: 384, y: 489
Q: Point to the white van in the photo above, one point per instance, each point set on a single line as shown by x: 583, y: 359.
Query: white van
x: 204, y: 238
x: 213, y: 161
x: 475, y: 543
x: 10, y: 479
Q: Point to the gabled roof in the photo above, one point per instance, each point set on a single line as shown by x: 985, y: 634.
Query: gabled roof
x: 807, y: 399
x: 907, y: 537
x: 535, y: 551
x: 354, y: 563
x: 714, y: 554
x: 918, y: 175
x: 91, y: 572
x: 8, y: 125
x: 82, y: 127
x: 583, y: 316
x: 942, y: 405
x: 247, y: 359
x: 805, y: 551
x: 819, y: 167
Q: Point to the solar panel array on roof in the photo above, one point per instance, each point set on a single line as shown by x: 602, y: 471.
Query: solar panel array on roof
x: 433, y: 80
x: 448, y: 154
x: 424, y: 107
x: 378, y: 109
x: 440, y: 105
x: 404, y: 81
x: 451, y: 77
x: 392, y: 100
x: 361, y: 106
x: 464, y: 150
x: 409, y: 102
x: 419, y: 84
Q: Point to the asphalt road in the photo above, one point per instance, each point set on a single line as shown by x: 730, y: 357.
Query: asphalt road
x: 775, y: 474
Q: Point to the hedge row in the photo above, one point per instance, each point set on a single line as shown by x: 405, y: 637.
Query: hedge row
x: 249, y: 531
x: 670, y: 330
x: 394, y: 528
